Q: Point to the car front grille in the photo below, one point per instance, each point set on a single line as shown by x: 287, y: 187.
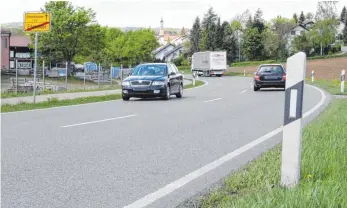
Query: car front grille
x: 140, y: 83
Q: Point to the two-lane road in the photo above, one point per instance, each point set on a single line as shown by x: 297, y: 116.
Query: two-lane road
x: 113, y: 154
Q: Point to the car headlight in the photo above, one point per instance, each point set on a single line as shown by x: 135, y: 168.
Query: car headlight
x: 125, y: 83
x: 158, y: 83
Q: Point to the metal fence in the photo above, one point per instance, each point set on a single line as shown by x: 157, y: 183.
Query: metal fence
x: 62, y: 78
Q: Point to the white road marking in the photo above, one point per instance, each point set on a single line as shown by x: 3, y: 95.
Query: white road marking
x: 171, y: 187
x: 244, y: 91
x: 207, y: 101
x: 98, y: 121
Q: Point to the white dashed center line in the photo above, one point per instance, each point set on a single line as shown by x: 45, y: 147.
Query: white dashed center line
x: 207, y: 101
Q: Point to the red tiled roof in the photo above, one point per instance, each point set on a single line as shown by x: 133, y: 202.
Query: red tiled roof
x: 20, y: 41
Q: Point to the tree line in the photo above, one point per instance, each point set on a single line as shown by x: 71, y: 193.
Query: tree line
x: 76, y: 36
x: 250, y: 37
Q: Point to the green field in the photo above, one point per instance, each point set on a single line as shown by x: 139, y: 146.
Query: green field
x: 323, y: 171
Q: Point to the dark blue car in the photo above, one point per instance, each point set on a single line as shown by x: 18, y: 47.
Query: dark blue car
x: 153, y: 80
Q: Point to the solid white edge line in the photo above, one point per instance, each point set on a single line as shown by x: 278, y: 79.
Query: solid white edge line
x: 97, y: 121
x: 244, y: 91
x: 207, y: 101
x: 68, y: 106
x: 173, y: 186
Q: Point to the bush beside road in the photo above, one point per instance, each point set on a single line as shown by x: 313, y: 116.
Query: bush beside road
x: 323, y: 171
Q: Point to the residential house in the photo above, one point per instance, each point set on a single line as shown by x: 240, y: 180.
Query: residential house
x: 296, y: 31
x: 174, y: 53
x: 160, y: 52
x: 20, y: 53
x: 5, y: 49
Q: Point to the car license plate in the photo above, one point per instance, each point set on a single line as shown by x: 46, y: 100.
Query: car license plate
x: 270, y: 77
x: 139, y: 89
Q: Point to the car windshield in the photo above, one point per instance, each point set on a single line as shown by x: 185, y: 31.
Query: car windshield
x: 271, y: 69
x: 150, y: 70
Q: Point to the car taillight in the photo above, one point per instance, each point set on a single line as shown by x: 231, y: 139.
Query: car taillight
x: 256, y: 77
x: 284, y: 77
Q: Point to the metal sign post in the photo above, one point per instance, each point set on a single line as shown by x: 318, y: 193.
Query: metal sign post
x: 292, y: 128
x: 84, y: 78
x: 35, y: 67
x: 16, y: 76
x: 43, y: 75
x: 121, y: 72
x: 66, y: 76
x: 36, y: 22
x: 99, y: 76
x: 343, y: 76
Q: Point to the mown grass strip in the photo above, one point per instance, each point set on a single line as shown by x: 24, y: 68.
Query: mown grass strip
x: 323, y: 171
x: 54, y: 102
x: 331, y: 86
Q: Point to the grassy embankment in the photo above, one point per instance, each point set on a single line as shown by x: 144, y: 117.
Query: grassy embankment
x: 323, y: 171
x: 54, y: 102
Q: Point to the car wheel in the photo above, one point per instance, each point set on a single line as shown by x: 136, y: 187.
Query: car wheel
x: 126, y: 98
x: 219, y: 75
x: 255, y: 88
x: 167, y: 94
x: 180, y: 94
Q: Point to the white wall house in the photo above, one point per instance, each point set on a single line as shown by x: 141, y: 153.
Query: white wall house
x: 160, y: 52
x: 340, y: 27
x: 173, y: 54
x: 293, y: 33
x: 180, y: 40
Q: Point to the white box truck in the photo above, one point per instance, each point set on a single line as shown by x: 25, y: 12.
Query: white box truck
x: 209, y: 63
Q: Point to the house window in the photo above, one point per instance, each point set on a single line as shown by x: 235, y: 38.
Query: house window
x: 5, y: 43
x: 292, y: 32
x: 11, y: 54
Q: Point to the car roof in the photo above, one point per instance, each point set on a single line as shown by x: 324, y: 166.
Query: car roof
x: 270, y: 65
x: 154, y: 64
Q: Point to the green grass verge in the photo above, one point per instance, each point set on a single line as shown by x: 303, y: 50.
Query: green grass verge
x: 331, y: 86
x: 54, y: 102
x: 197, y: 84
x: 101, y: 88
x: 323, y: 171
x: 239, y: 74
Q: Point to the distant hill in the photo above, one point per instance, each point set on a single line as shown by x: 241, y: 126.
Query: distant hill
x: 17, y: 28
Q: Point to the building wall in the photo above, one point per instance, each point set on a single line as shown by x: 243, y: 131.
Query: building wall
x: 161, y: 54
x: 5, y: 51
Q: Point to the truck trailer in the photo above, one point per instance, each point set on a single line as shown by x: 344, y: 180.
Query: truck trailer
x: 209, y: 63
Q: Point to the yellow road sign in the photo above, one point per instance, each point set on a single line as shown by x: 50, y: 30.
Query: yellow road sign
x: 37, y: 21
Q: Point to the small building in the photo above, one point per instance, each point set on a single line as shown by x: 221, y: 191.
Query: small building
x: 20, y: 52
x: 5, y: 49
x: 174, y: 53
x: 160, y: 52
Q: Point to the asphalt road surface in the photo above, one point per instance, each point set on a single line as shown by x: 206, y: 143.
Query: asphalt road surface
x: 116, y: 154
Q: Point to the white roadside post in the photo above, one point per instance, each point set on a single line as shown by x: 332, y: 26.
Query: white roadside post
x: 194, y: 75
x: 343, y: 77
x: 244, y: 73
x: 292, y: 128
x: 312, y: 76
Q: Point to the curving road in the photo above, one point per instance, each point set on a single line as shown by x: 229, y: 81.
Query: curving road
x: 113, y: 154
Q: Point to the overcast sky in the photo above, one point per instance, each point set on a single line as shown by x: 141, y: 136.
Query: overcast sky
x: 176, y: 13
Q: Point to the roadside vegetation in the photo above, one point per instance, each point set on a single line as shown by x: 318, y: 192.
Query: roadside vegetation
x: 54, y: 102
x: 331, y: 86
x: 323, y: 171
